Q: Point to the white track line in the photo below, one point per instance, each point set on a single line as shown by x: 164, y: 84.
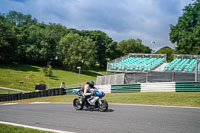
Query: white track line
x: 8, y: 104
x: 38, y: 128
x: 26, y: 103
x: 158, y: 106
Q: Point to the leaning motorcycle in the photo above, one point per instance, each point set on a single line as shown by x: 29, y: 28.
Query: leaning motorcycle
x: 94, y: 101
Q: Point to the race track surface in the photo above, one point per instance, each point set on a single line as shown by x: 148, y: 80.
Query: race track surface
x: 118, y: 119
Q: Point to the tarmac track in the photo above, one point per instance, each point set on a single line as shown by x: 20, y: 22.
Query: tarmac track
x: 118, y: 119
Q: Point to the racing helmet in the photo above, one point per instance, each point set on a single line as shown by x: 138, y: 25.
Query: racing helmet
x: 91, y: 84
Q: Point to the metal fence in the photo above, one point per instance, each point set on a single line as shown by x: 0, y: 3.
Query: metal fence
x: 160, y: 77
x: 185, y: 56
x: 136, y: 77
x: 148, y: 77
x: 110, y: 79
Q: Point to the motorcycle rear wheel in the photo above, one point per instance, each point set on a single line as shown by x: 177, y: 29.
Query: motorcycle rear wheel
x: 103, y: 105
x: 77, y: 105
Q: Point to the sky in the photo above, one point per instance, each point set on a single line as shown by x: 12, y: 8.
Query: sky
x: 148, y: 20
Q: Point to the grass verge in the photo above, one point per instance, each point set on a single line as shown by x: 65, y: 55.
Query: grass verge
x: 191, y: 99
x: 3, y: 91
x: 13, y: 76
x: 15, y: 129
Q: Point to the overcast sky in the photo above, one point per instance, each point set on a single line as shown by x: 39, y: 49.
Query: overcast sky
x: 147, y: 20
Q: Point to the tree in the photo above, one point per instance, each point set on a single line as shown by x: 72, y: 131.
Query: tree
x: 111, y: 51
x: 167, y: 50
x: 19, y: 19
x: 132, y: 46
x: 21, y: 25
x: 186, y: 33
x: 36, y: 48
x: 48, y: 70
x: 52, y: 35
x: 7, y: 41
x: 37, y: 43
x: 102, y: 40
x: 76, y: 50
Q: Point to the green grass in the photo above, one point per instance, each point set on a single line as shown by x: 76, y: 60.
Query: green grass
x: 15, y: 129
x: 3, y: 91
x: 191, y: 99
x: 11, y: 75
x: 157, y: 98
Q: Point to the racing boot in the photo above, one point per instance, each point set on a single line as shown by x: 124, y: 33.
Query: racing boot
x: 82, y: 99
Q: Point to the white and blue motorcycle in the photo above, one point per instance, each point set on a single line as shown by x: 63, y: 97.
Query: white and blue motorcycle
x: 95, y: 101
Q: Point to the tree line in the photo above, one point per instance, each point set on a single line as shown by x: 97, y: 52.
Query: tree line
x: 23, y: 39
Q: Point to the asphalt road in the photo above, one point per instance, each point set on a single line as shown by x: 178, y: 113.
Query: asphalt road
x: 118, y: 119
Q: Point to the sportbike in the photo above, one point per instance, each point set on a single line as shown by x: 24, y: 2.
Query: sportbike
x: 95, y: 101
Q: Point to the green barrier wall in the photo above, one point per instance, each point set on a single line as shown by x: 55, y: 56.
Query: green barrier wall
x: 188, y: 86
x: 125, y: 88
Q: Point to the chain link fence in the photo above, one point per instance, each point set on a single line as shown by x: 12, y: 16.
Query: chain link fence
x: 149, y: 77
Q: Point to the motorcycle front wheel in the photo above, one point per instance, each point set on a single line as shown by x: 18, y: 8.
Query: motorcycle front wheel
x: 103, y: 105
x: 77, y: 104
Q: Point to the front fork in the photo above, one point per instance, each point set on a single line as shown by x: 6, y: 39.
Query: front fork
x: 100, y: 101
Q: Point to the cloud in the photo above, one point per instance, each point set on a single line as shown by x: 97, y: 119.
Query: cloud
x: 120, y: 19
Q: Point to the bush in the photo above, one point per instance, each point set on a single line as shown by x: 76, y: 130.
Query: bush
x: 48, y: 71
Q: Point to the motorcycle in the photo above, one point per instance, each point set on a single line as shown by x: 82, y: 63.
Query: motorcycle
x: 94, y: 101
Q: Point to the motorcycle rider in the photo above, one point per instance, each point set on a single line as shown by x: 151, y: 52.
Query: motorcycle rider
x: 86, y: 90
